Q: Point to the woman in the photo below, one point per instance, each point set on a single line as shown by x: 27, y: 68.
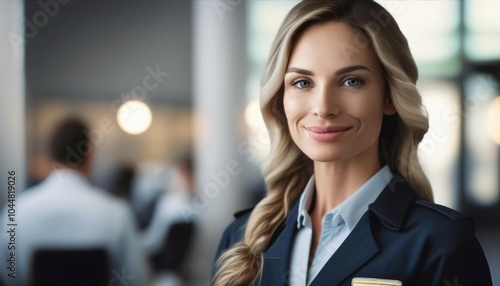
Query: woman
x: 347, y: 198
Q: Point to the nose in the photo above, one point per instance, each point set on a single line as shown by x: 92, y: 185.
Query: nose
x: 325, y: 103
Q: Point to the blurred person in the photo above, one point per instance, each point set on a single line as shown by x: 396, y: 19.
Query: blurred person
x: 147, y: 188
x: 121, y: 185
x: 66, y: 212
x: 122, y: 181
x: 347, y: 200
x: 173, y: 207
x: 38, y: 169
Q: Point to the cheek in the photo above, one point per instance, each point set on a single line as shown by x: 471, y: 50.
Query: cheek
x: 371, y: 119
x: 293, y: 106
x: 359, y: 107
x: 370, y: 105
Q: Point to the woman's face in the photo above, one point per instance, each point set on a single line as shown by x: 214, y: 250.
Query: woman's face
x: 334, y: 94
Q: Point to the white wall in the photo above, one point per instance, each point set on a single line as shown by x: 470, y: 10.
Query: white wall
x: 12, y: 157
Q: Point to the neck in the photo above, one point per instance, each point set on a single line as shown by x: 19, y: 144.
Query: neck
x: 337, y: 181
x: 83, y: 169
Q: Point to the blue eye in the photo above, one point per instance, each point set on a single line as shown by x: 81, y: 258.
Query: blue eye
x: 301, y: 83
x: 353, y: 81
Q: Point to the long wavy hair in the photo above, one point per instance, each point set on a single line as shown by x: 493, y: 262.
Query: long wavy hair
x: 287, y: 169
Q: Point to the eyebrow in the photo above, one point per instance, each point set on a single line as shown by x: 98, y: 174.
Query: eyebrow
x: 351, y: 69
x: 339, y: 72
x: 300, y: 71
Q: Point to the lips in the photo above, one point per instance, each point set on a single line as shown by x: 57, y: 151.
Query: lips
x: 327, y: 133
x: 327, y: 129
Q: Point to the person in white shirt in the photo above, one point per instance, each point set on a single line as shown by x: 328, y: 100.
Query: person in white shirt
x: 66, y: 212
x: 173, y: 207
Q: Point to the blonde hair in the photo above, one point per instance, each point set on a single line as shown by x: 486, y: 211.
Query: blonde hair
x: 287, y: 169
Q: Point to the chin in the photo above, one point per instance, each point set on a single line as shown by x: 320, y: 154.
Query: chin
x: 326, y: 156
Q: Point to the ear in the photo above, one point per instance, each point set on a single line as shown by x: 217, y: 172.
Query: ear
x: 389, y: 108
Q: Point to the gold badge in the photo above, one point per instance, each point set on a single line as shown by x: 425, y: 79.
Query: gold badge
x: 362, y: 281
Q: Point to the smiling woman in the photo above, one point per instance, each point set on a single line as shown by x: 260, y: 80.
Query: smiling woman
x: 347, y: 200
x: 334, y: 99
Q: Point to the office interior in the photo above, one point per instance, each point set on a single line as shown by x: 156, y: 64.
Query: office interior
x: 192, y: 69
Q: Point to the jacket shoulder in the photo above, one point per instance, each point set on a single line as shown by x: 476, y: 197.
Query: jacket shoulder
x: 236, y: 229
x: 452, y: 250
x: 243, y: 212
x: 234, y: 232
x: 442, y: 211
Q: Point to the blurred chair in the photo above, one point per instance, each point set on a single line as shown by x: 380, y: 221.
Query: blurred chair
x: 78, y: 267
x: 172, y: 256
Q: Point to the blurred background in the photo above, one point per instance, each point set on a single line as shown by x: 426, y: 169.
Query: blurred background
x: 157, y: 80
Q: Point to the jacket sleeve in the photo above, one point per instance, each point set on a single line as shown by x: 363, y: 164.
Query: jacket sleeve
x: 456, y: 257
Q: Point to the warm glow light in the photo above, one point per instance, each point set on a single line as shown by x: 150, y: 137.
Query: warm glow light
x: 134, y: 117
x: 493, y: 121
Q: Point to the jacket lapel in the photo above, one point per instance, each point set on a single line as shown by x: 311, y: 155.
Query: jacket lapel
x: 357, y: 249
x: 390, y: 207
x: 277, y: 256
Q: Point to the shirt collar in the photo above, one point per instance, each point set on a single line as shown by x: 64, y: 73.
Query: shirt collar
x: 303, y: 218
x: 66, y: 176
x: 353, y: 208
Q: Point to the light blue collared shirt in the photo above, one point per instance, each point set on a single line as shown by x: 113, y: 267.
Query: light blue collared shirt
x: 337, y: 224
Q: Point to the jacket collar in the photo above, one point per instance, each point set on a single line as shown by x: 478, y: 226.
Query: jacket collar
x: 393, y: 203
x: 390, y: 208
x: 277, y: 256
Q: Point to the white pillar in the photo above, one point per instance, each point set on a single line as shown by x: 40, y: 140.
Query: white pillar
x: 219, y: 77
x: 12, y: 129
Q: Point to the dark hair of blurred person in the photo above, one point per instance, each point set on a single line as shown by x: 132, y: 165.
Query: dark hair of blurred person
x: 71, y: 146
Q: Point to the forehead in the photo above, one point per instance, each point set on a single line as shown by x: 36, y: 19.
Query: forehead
x: 334, y: 44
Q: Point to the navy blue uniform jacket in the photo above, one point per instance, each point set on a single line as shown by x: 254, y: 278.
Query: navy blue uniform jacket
x: 400, y: 237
